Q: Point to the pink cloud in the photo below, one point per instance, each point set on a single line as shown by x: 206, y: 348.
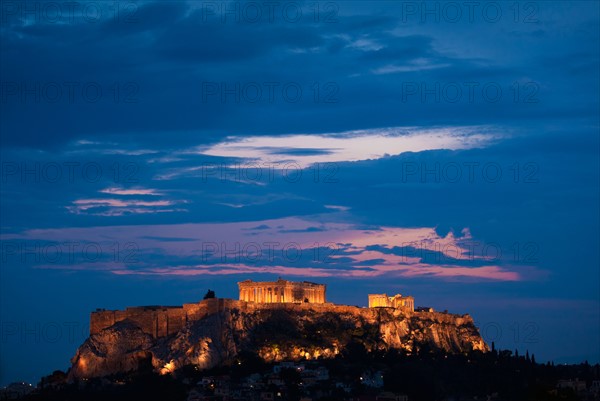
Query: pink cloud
x: 190, y: 241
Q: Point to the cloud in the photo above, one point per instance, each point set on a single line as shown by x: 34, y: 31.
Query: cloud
x: 351, y: 146
x: 294, y: 247
x: 259, y: 227
x: 303, y: 230
x: 131, y: 191
x: 412, y: 67
x: 120, y: 207
x: 168, y: 239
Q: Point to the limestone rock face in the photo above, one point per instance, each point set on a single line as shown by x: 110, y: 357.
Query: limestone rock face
x: 275, y: 334
x: 120, y: 348
x: 446, y: 332
x: 205, y: 343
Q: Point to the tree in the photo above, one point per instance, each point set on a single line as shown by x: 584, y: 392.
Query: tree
x: 209, y: 294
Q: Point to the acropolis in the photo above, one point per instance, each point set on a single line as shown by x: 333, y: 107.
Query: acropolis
x: 160, y: 321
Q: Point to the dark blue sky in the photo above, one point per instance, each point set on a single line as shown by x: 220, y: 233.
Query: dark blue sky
x: 153, y: 150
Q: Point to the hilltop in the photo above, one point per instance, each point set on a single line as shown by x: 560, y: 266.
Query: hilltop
x: 273, y: 332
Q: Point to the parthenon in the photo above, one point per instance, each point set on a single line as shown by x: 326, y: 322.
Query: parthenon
x: 282, y: 291
x: 397, y: 301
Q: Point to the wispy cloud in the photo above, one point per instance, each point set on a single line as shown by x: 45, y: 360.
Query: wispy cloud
x: 412, y: 67
x: 297, y: 247
x: 125, y: 205
x: 130, y: 191
x: 350, y: 145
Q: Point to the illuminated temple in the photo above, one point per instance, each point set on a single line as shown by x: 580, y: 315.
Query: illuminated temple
x: 397, y: 301
x: 282, y: 291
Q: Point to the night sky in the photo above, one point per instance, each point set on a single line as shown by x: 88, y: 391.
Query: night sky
x: 153, y: 150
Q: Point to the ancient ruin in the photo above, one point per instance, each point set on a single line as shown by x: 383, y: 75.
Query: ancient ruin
x: 397, y: 301
x: 282, y: 291
x: 160, y: 321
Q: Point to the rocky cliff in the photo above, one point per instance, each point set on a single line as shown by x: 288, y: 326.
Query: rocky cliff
x: 273, y: 332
